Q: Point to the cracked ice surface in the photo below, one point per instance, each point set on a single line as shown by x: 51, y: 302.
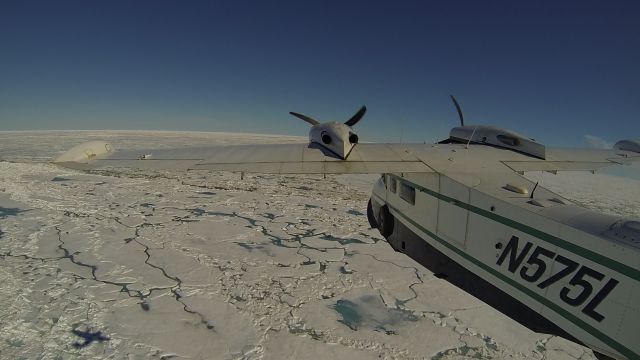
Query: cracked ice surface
x: 201, y: 266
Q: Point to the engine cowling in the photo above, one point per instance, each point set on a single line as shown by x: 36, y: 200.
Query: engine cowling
x: 495, y: 136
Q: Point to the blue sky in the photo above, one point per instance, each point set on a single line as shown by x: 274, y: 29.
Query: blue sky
x: 555, y: 70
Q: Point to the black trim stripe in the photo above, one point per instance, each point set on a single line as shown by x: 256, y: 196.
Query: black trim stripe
x: 622, y: 349
x: 621, y: 268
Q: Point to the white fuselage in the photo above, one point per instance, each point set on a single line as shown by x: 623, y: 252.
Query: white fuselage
x: 552, y: 256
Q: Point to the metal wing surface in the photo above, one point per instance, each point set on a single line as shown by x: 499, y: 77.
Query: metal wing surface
x: 475, y: 158
x: 267, y: 158
x: 575, y: 159
x: 364, y: 158
x: 308, y: 159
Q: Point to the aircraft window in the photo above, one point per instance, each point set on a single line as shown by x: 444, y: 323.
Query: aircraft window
x: 407, y: 193
x: 393, y: 183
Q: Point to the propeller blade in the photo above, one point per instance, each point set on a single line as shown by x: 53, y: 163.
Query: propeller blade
x: 305, y: 118
x: 355, y: 118
x: 459, y: 110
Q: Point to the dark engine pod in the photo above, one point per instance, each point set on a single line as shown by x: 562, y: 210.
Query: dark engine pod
x: 353, y: 138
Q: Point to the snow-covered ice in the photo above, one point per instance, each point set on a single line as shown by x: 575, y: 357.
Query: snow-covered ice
x: 208, y: 266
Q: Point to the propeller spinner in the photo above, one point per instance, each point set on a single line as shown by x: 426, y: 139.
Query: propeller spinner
x: 339, y: 139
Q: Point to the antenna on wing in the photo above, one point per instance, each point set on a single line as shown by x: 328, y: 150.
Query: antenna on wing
x: 534, y: 190
x: 306, y: 118
x: 455, y: 102
x: 473, y: 133
x: 356, y: 117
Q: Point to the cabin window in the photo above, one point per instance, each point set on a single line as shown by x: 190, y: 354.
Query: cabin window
x: 393, y: 183
x: 407, y: 193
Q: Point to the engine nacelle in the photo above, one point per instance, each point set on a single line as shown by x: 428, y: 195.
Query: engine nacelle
x: 338, y: 138
x: 628, y: 145
x: 491, y: 135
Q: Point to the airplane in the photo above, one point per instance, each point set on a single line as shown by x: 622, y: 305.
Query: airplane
x: 463, y: 209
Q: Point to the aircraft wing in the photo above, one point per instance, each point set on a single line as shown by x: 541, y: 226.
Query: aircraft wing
x: 263, y: 158
x: 306, y: 159
x: 575, y: 159
x: 363, y: 158
x: 458, y: 158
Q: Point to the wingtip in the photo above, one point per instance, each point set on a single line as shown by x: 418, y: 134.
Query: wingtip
x: 85, y: 152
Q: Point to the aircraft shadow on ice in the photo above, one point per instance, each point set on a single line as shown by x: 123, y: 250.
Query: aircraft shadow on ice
x: 88, y: 337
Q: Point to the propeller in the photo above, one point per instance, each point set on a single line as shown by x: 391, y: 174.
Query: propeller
x: 455, y: 102
x: 305, y: 118
x: 355, y: 118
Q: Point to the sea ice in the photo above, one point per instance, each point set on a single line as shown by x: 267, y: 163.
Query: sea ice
x: 171, y: 265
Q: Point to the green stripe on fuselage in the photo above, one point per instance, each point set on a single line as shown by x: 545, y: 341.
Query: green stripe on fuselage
x: 542, y: 300
x: 578, y: 250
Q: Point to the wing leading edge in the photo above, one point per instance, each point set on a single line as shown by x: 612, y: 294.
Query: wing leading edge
x: 268, y: 158
x: 363, y: 158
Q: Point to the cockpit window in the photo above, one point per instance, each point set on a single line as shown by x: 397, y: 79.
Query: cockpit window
x: 393, y: 183
x: 407, y: 193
